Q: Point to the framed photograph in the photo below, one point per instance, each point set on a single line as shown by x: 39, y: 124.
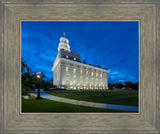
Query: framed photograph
x: 73, y: 69
x: 80, y: 67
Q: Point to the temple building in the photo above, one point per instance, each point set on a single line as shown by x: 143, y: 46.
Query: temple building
x: 70, y: 72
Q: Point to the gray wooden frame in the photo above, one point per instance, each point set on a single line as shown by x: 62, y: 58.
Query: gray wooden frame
x: 146, y: 121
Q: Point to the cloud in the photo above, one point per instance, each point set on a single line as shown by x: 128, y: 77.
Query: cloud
x: 121, y: 76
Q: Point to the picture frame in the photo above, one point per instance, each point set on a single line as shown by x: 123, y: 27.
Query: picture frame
x: 146, y: 12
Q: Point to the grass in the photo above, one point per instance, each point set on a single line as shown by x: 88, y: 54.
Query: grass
x: 49, y: 106
x: 110, y: 97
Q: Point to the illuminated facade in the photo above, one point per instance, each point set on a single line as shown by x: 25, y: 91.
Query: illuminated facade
x: 68, y: 70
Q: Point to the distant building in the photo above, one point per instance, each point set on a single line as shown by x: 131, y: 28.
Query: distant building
x: 68, y: 70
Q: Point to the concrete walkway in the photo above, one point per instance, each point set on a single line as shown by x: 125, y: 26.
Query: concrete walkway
x: 89, y: 104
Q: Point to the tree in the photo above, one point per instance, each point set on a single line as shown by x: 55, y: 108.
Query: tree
x: 30, y: 80
x: 129, y: 84
x: 24, y: 67
x: 119, y: 85
x: 26, y: 76
x: 110, y: 86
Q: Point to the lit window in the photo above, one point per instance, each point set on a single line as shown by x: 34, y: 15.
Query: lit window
x: 96, y: 74
x: 74, y: 76
x: 81, y: 77
x: 91, y: 78
x: 66, y: 56
x: 86, y: 72
x: 87, y: 83
x: 66, y: 69
x: 74, y: 58
x: 81, y: 83
x: 81, y: 72
x: 67, y: 82
x: 92, y: 84
x: 100, y: 75
x: 74, y: 82
x: 87, y: 78
x: 92, y: 74
x: 74, y: 70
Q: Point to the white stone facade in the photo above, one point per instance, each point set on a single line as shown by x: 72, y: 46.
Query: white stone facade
x: 68, y: 70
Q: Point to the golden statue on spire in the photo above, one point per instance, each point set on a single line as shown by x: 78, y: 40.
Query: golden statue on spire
x: 63, y: 34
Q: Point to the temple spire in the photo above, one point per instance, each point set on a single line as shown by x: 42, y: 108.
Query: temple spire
x: 64, y: 43
x: 63, y: 34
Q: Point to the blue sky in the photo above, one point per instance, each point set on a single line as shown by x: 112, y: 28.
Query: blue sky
x: 111, y: 44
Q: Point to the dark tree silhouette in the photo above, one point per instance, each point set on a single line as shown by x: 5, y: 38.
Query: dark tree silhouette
x: 30, y: 80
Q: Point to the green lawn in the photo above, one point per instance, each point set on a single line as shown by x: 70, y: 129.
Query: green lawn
x: 110, y: 97
x: 49, y: 106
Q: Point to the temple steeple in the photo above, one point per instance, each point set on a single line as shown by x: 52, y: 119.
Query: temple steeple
x: 63, y: 34
x: 64, y: 43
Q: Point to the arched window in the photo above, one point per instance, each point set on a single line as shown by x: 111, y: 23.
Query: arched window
x: 74, y: 70
x: 74, y: 82
x: 66, y: 69
x: 81, y: 71
x: 67, y: 82
x: 96, y: 84
x: 92, y: 84
x: 86, y: 72
x: 101, y: 85
x: 92, y: 74
x: 87, y: 83
x: 81, y: 83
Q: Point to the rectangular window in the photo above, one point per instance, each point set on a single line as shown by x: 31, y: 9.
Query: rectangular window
x: 86, y: 72
x: 74, y: 70
x: 92, y: 74
x: 87, y: 83
x: 66, y: 69
x: 96, y: 74
x: 81, y: 77
x: 81, y: 72
x: 92, y: 84
x: 81, y: 83
x: 74, y: 76
x: 101, y: 75
x: 74, y: 82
